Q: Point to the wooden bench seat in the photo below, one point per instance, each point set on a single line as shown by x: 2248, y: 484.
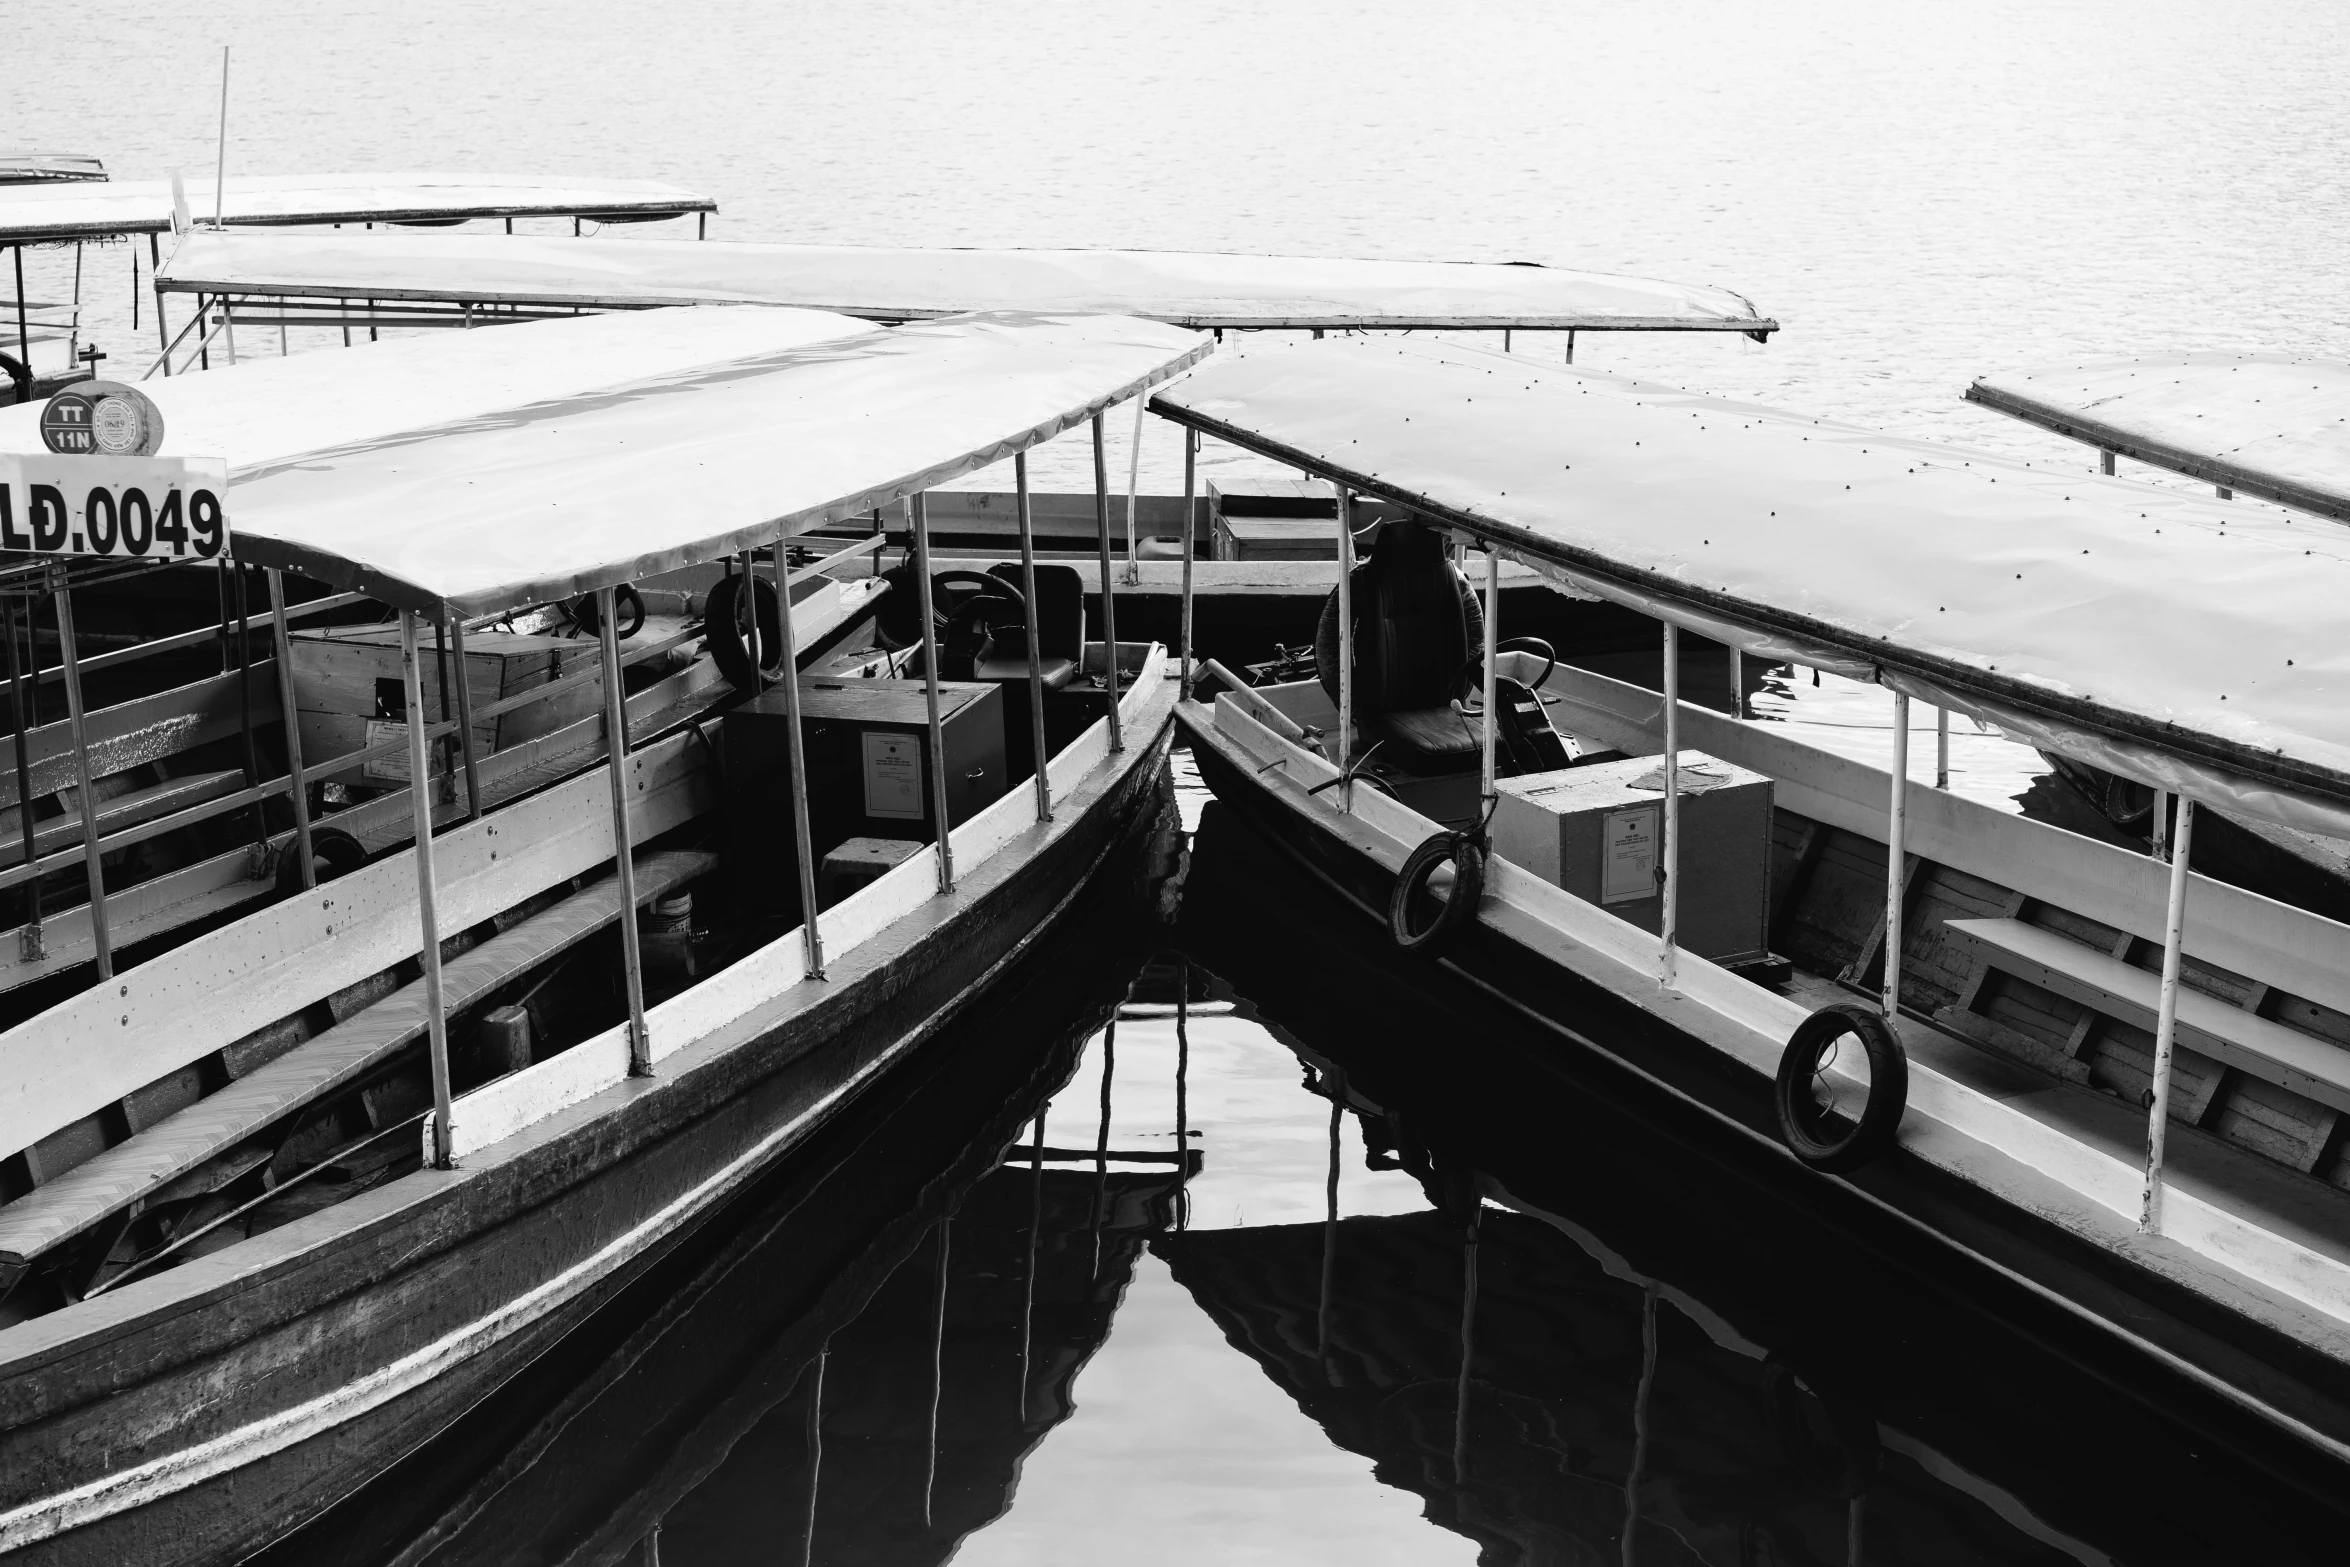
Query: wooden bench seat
x: 138, y: 1167
x: 126, y: 810
x: 2268, y: 1050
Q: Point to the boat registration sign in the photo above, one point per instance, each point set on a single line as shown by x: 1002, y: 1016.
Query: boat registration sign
x: 123, y: 508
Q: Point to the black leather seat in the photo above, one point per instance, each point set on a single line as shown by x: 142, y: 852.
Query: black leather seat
x: 1418, y: 631
x: 1060, y: 628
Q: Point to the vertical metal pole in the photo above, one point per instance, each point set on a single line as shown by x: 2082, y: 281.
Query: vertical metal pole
x: 91, y: 858
x: 1941, y: 747
x: 1190, y: 467
x: 632, y: 962
x: 1134, y: 484
x: 938, y: 1378
x: 803, y: 833
x: 2166, y: 1018
x: 465, y: 741
x: 1346, y: 643
x: 245, y: 693
x: 29, y: 941
x: 297, y: 788
x: 1896, y: 854
x: 2158, y: 832
x: 162, y: 327
x: 24, y: 332
x: 1101, y: 517
x: 220, y: 164
x: 440, y: 664
x: 1488, y: 790
x: 1044, y: 782
x: 427, y: 912
x: 1669, y: 862
x: 918, y: 515
x: 1737, y: 682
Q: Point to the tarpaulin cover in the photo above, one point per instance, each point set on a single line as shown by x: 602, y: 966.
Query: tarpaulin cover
x: 2163, y: 635
x: 2265, y: 424
x: 71, y: 211
x: 548, y: 497
x: 901, y: 285
x: 271, y: 410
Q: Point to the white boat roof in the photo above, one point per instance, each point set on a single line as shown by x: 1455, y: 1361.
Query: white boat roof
x: 34, y: 168
x: 2195, y: 645
x: 1185, y: 289
x: 2270, y: 425
x: 546, y: 496
x: 270, y: 410
x: 73, y: 210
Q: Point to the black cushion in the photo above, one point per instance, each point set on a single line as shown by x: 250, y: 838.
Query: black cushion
x: 1060, y: 614
x: 1058, y: 672
x: 1428, y: 742
x: 1417, y: 626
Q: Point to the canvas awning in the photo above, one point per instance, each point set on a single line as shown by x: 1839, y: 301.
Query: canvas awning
x: 546, y: 496
x: 72, y: 210
x: 2160, y: 635
x: 2264, y: 424
x: 1193, y: 290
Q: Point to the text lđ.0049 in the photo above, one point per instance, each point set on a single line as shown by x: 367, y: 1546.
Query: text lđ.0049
x: 113, y: 520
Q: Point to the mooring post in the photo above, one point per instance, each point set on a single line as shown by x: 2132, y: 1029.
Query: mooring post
x: 919, y: 514
x: 427, y: 911
x: 92, y: 858
x: 2166, y: 1018
x: 632, y: 960
x: 1044, y: 782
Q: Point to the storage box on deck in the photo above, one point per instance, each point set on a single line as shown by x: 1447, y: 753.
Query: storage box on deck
x: 1272, y: 519
x: 348, y: 679
x: 1596, y: 831
x: 868, y: 771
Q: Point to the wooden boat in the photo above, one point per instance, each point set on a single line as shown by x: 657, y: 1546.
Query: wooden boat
x: 181, y: 749
x: 2043, y: 986
x: 500, y: 1128
x: 2269, y: 427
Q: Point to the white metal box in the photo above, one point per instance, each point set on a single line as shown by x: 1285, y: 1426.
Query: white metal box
x: 1597, y: 830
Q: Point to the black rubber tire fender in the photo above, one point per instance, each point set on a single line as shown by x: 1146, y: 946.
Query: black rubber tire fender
x: 1460, y: 906
x: 333, y: 853
x: 625, y: 598
x: 722, y: 627
x: 1810, y: 1135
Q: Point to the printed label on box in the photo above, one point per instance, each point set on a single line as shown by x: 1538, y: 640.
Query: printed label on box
x: 1627, y: 855
x: 390, y: 769
x: 893, y: 776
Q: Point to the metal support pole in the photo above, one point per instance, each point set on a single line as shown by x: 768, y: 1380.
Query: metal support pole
x: 803, y: 834
x: 2166, y: 1019
x: 465, y: 740
x: 1346, y: 643
x: 2158, y: 830
x: 91, y: 857
x: 1737, y: 683
x: 1896, y: 853
x: 298, y: 790
x: 1941, y: 747
x: 1101, y: 514
x: 918, y: 515
x: 1669, y: 861
x: 427, y: 911
x: 1190, y: 468
x: 162, y: 327
x: 1044, y: 782
x: 1489, y: 791
x: 632, y: 961
x: 24, y: 331
x: 29, y: 941
x: 440, y: 664
x: 1133, y: 485
x: 245, y: 696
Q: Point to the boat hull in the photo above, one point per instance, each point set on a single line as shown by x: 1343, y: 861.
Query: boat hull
x: 205, y: 1411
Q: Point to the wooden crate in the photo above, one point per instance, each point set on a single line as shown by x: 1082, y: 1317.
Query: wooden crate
x: 1273, y: 519
x: 348, y: 692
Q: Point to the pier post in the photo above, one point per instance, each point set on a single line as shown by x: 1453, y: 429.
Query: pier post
x: 1101, y: 517
x: 296, y: 785
x: 918, y: 516
x: 632, y: 961
x: 788, y: 647
x: 92, y: 860
x: 2166, y: 1020
x: 1896, y: 839
x: 1044, y: 782
x: 427, y: 913
x: 1669, y: 861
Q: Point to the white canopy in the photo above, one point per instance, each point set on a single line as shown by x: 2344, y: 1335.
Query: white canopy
x: 268, y: 411
x: 1191, y: 290
x: 552, y: 496
x: 34, y: 168
x: 2266, y: 424
x: 87, y: 211
x: 2160, y: 635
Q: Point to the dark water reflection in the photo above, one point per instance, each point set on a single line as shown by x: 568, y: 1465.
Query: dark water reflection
x: 1406, y: 1304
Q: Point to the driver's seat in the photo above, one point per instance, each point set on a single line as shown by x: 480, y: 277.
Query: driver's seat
x: 1060, y: 627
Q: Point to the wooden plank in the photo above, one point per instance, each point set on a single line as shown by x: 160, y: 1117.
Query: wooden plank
x: 147, y: 729
x: 191, y: 1001
x: 2308, y: 1066
x: 125, y: 810
x: 178, y: 1143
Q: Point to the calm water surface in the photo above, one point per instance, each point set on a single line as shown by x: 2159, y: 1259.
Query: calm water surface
x: 1140, y: 1366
